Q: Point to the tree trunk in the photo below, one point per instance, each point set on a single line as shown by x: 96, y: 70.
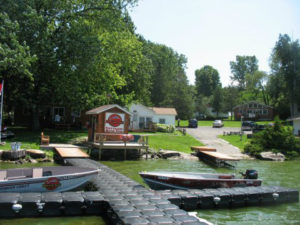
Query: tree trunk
x: 35, y: 125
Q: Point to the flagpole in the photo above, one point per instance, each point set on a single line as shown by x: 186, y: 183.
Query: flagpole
x: 1, y: 111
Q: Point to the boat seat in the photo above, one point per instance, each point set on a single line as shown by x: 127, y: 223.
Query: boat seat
x: 225, y: 177
x: 3, y: 175
x: 37, y: 172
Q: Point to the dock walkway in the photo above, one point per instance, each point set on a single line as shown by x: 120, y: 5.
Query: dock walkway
x: 125, y: 201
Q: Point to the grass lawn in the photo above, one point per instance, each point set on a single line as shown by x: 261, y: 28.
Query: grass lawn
x: 31, y: 139
x: 178, y: 143
x: 236, y: 141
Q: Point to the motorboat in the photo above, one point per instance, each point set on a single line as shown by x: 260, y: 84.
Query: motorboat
x: 188, y: 180
x: 45, y: 179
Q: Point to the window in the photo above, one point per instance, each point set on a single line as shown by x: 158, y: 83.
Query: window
x: 134, y: 115
x: 58, y: 111
x: 75, y: 113
x: 162, y: 121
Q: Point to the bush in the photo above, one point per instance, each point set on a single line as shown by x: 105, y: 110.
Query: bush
x: 276, y: 138
x: 165, y: 128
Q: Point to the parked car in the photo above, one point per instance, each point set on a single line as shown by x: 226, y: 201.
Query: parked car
x: 218, y: 123
x: 258, y: 127
x: 248, y: 125
x: 193, y: 123
x: 6, y: 133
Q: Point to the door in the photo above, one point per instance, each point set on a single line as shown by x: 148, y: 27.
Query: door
x: 142, y: 122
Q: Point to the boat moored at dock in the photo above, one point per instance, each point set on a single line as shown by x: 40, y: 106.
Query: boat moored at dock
x: 186, y: 180
x: 45, y: 179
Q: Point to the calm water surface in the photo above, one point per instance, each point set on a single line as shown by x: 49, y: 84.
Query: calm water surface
x: 286, y: 174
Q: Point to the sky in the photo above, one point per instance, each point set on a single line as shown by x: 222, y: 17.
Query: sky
x: 213, y: 32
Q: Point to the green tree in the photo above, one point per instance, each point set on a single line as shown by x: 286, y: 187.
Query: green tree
x: 85, y: 51
x: 15, y: 64
x: 231, y: 98
x: 169, y: 84
x: 256, y: 87
x: 207, y: 80
x: 242, y: 66
x: 217, y: 100
x: 286, y: 63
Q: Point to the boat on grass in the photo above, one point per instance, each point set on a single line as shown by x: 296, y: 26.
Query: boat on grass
x: 187, y: 180
x: 45, y: 179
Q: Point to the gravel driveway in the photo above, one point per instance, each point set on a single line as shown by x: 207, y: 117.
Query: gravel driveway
x: 208, y: 136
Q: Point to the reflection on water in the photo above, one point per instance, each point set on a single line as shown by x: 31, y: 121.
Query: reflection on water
x: 284, y: 174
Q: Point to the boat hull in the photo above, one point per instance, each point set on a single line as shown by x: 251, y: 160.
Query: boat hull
x: 55, y: 183
x: 163, y: 182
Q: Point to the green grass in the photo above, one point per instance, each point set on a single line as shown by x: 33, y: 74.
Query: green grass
x: 178, y: 143
x: 31, y: 139
x: 236, y: 141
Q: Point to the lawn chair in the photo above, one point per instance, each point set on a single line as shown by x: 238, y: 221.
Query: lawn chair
x: 44, y: 139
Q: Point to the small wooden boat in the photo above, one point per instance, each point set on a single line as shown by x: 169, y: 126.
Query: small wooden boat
x: 185, y: 180
x: 45, y: 179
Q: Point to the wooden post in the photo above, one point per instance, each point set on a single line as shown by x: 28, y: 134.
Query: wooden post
x: 101, y: 142
x: 124, y: 149
x: 146, y: 147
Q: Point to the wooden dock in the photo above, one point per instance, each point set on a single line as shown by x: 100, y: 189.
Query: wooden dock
x: 213, y: 157
x: 71, y: 153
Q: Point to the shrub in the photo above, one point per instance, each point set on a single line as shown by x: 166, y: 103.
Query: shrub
x: 165, y: 128
x: 276, y: 138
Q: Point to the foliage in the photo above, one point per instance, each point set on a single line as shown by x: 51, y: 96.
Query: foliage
x: 164, y: 128
x: 217, y: 100
x: 273, y: 138
x: 169, y: 82
x: 231, y: 98
x: 242, y: 66
x: 86, y: 53
x: 255, y: 87
x: 286, y: 66
x: 15, y: 63
x: 207, y: 80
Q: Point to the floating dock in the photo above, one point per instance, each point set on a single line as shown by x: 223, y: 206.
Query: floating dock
x: 125, y: 201
x: 213, y: 157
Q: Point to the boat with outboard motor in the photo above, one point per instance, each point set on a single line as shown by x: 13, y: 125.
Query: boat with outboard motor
x: 187, y: 180
x: 45, y: 179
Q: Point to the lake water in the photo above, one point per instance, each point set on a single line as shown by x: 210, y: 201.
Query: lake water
x: 286, y: 174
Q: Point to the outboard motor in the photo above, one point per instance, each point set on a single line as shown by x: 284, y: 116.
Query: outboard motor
x: 251, y: 174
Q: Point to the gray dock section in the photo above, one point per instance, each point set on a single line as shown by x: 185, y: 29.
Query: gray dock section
x: 125, y: 201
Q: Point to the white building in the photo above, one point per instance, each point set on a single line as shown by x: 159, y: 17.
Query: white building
x: 143, y: 115
x: 296, y: 120
x: 296, y: 126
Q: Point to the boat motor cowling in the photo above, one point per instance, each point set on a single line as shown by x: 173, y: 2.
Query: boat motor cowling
x: 251, y: 174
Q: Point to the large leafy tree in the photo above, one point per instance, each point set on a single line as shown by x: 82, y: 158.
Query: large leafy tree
x: 15, y: 63
x: 231, y: 98
x: 286, y: 67
x: 217, y: 100
x: 256, y: 87
x: 85, y: 51
x: 169, y: 84
x: 207, y: 80
x: 242, y: 66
